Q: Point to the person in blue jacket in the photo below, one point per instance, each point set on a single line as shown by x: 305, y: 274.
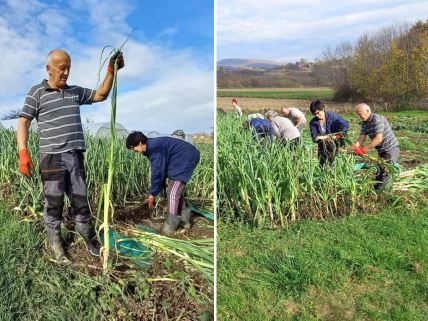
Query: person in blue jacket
x: 327, y: 130
x: 170, y: 158
x: 262, y: 128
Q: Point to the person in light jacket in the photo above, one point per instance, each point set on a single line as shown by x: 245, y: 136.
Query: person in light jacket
x: 284, y: 129
x: 296, y: 116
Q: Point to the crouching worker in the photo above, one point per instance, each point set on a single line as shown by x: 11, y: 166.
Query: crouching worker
x: 261, y: 128
x: 382, y: 139
x: 296, y: 116
x: 170, y: 158
x: 284, y: 129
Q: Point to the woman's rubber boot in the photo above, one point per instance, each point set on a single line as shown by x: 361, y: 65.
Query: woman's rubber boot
x: 185, y: 218
x: 171, y: 224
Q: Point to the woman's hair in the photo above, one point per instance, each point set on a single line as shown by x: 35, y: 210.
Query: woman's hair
x: 134, y: 139
x: 316, y: 105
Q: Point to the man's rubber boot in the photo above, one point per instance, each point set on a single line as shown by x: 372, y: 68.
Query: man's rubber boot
x: 185, y: 218
x: 171, y: 224
x: 386, y: 182
x: 88, y: 234
x: 383, y: 181
x: 54, y: 240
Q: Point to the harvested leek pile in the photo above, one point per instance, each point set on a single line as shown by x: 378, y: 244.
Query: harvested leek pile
x: 415, y: 180
x: 197, y: 253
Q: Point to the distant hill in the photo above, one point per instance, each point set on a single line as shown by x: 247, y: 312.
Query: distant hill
x: 258, y: 73
x: 234, y: 63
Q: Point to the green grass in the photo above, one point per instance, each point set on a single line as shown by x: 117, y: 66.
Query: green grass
x: 369, y: 267
x: 34, y: 289
x: 322, y: 93
x: 360, y: 267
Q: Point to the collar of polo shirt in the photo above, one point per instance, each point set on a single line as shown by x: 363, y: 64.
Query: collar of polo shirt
x: 45, y: 84
x: 369, y: 119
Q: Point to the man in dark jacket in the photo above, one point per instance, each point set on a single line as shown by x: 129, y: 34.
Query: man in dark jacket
x: 327, y: 130
x: 170, y: 158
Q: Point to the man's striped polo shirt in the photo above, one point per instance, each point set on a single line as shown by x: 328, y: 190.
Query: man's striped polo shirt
x: 58, y: 116
x: 379, y: 124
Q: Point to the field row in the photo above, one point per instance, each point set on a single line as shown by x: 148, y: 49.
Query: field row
x: 290, y: 93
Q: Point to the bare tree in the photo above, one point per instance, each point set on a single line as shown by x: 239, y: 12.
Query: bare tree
x: 12, y: 114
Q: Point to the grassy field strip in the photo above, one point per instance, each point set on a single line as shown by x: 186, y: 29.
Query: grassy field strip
x: 276, y: 89
x: 371, y: 267
x: 276, y: 94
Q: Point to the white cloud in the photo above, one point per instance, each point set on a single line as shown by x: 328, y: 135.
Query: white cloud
x: 160, y: 88
x: 255, y: 25
x: 108, y: 17
x: 20, y: 61
x: 55, y: 24
x: 183, y: 101
x: 168, y: 32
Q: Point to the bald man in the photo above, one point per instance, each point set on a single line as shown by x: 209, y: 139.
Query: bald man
x: 382, y: 139
x: 56, y: 107
x: 296, y: 116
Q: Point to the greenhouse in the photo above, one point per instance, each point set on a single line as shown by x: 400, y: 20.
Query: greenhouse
x: 102, y: 130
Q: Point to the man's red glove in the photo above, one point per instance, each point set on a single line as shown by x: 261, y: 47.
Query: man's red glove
x: 339, y: 136
x: 360, y: 151
x: 120, y: 62
x: 151, y: 202
x: 25, y: 162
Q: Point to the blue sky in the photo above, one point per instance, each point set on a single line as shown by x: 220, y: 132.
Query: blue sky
x: 287, y: 30
x: 167, y: 82
x: 182, y: 23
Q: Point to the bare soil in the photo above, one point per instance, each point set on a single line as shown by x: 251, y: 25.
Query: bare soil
x: 275, y: 89
x: 173, y: 290
x: 261, y: 104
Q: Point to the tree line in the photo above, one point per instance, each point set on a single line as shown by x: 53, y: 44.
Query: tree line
x: 389, y: 66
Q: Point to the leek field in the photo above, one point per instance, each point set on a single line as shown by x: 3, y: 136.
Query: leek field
x: 178, y: 284
x: 301, y: 242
